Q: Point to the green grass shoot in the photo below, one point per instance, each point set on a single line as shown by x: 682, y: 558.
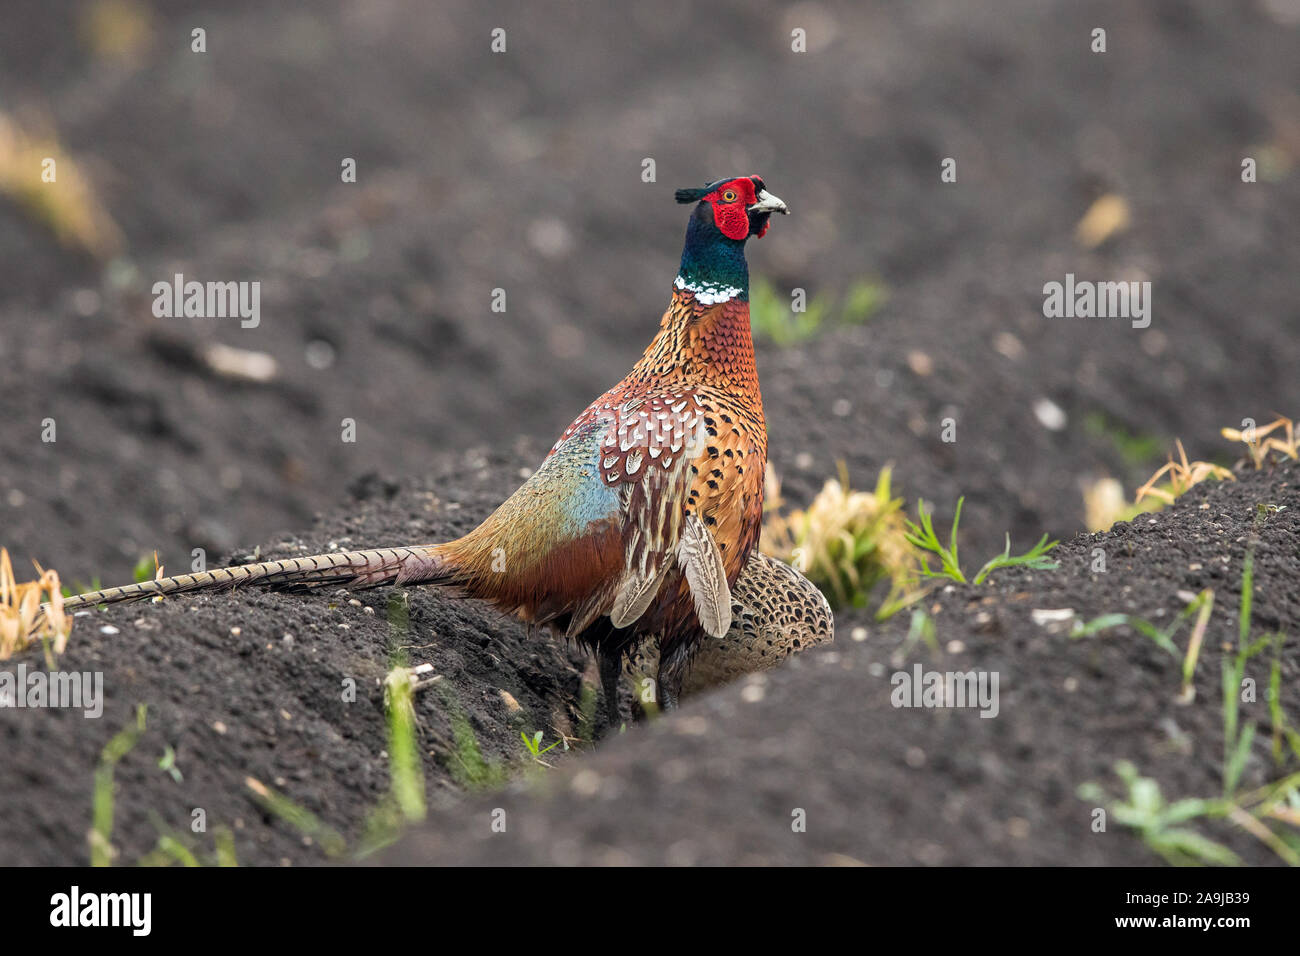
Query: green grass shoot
x: 534, y: 746
x: 102, y: 804
x: 924, y: 537
x: 1162, y: 824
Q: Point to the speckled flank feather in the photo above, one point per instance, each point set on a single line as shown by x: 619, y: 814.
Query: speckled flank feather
x: 775, y: 612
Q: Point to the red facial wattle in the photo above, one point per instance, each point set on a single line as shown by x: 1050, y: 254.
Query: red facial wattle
x: 731, y: 218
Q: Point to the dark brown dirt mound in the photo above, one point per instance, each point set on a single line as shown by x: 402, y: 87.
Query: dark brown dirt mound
x: 715, y: 783
x: 252, y: 684
x: 719, y: 782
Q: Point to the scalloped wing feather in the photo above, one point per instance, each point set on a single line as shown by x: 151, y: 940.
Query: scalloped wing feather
x: 701, y: 561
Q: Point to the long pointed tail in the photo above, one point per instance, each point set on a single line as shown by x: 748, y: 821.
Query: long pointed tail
x: 360, y: 569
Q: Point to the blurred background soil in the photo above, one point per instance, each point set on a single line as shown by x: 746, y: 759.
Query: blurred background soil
x: 522, y: 171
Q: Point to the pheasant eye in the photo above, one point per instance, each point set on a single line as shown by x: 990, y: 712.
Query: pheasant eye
x: 729, y: 196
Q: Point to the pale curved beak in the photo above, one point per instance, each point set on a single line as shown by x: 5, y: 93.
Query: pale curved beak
x: 768, y: 203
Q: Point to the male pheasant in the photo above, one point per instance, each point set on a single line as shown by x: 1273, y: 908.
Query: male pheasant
x: 643, y: 515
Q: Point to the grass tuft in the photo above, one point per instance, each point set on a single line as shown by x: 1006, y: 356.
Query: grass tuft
x: 1182, y: 477
x: 1259, y: 445
x: 1161, y: 824
x: 68, y: 206
x: 847, y: 542
x: 535, y: 749
x: 1104, y: 500
x: 924, y: 538
x: 405, y: 801
x: 31, y: 611
x: 1163, y: 637
x: 407, y: 787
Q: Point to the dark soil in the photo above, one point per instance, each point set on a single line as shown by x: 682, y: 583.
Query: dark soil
x: 522, y: 171
x: 252, y: 684
x: 718, y: 783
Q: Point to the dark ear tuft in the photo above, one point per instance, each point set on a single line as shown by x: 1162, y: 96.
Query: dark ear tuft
x: 691, y: 195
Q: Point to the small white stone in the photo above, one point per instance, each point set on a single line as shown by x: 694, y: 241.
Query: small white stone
x: 1045, y: 616
x: 1050, y: 415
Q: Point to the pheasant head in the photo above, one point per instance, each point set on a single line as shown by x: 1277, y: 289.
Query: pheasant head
x: 727, y: 213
